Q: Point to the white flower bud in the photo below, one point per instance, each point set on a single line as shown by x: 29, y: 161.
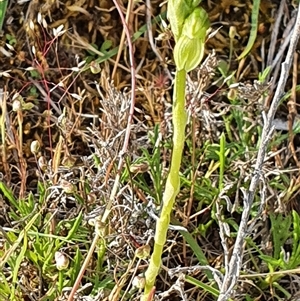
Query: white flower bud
x: 61, y: 261
x: 34, y: 147
x: 16, y: 106
x: 139, y: 282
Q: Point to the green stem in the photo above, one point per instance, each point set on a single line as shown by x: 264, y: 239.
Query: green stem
x: 173, y: 181
x: 60, y: 281
x: 189, y: 24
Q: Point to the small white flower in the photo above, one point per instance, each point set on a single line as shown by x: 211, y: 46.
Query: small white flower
x: 30, y: 69
x: 42, y: 163
x: 75, y: 69
x: 139, y: 282
x: 45, y: 25
x: 67, y: 186
x: 15, y: 96
x: 58, y: 31
x: 82, y: 63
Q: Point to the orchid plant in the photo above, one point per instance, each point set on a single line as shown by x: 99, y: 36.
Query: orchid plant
x: 189, y: 24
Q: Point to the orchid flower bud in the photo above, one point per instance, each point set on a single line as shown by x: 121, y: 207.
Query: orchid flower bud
x: 189, y: 49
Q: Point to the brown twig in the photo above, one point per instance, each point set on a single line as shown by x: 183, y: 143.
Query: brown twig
x: 128, y: 14
x: 292, y: 109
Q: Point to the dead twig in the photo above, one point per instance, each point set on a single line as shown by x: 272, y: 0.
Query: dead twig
x: 293, y: 110
x: 121, y: 44
x: 274, y: 34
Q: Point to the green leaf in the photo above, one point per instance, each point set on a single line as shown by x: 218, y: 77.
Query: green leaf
x: 270, y: 260
x: 11, y: 39
x: 18, y: 264
x: 262, y: 76
x: 27, y: 106
x: 203, y: 286
x: 106, y: 45
x: 222, y: 157
x: 32, y: 256
x: 253, y: 32
x: 295, y: 258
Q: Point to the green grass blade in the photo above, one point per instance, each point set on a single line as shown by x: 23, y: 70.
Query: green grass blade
x: 75, y: 227
x: 18, y: 264
x: 202, y: 285
x: 3, y: 7
x: 16, y: 244
x: 9, y: 195
x: 222, y: 157
x: 197, y: 251
x: 253, y: 32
